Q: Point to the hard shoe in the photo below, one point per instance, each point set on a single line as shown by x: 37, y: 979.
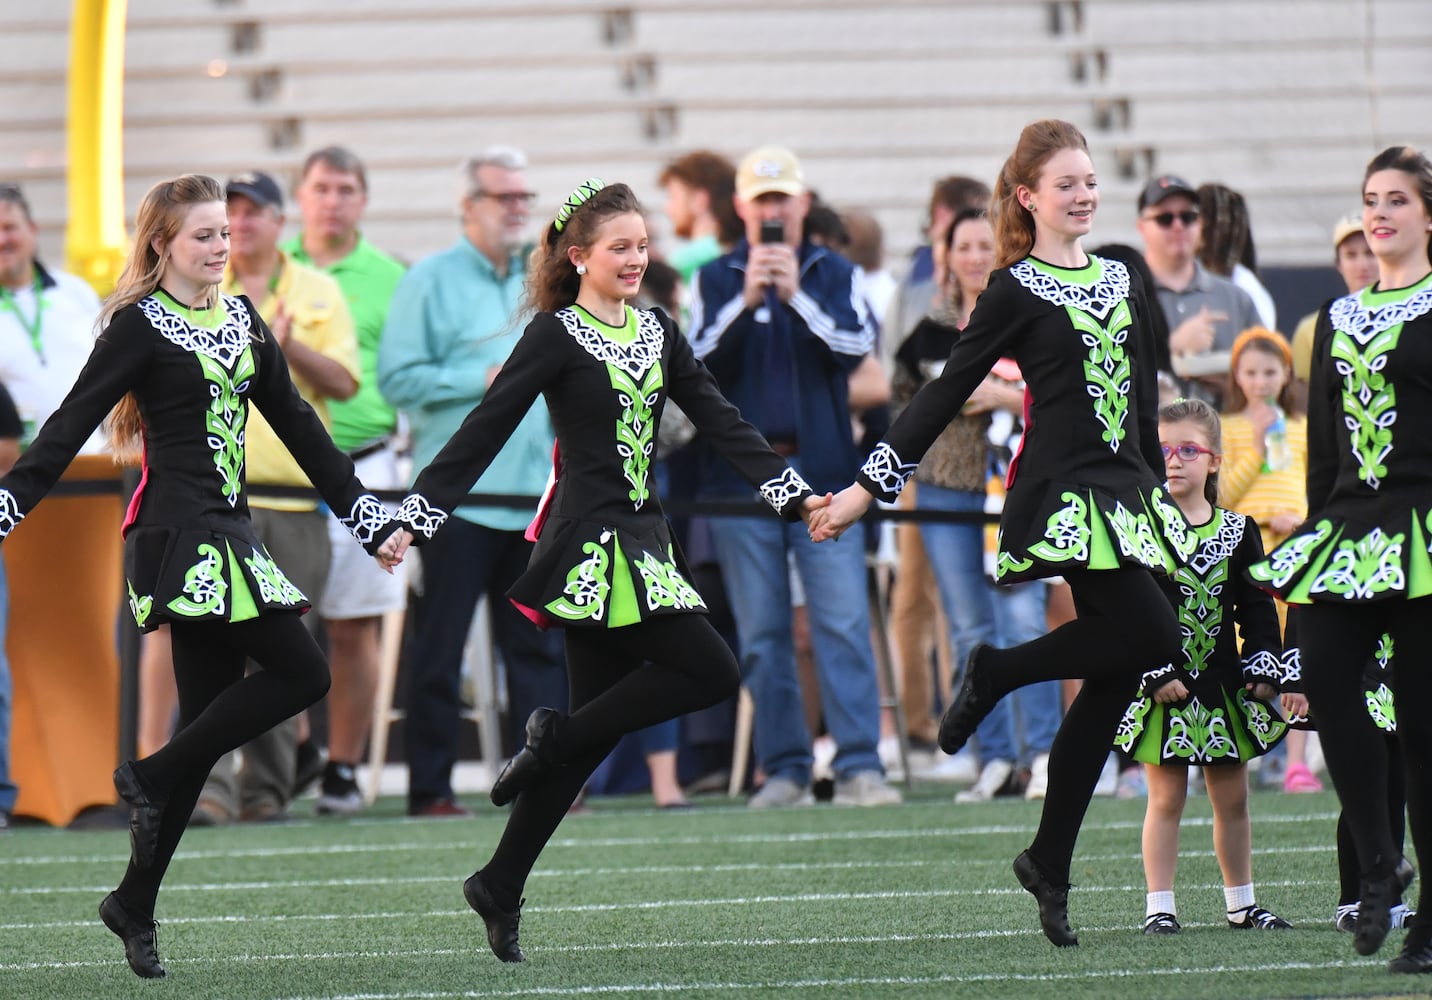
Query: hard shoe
x: 866, y: 788
x: 1038, y: 785
x: 1345, y: 917
x: 145, y: 814
x: 992, y: 778
x: 338, y: 793
x: 140, y: 937
x: 779, y: 792
x: 1256, y: 918
x: 1161, y: 923
x: 1400, y: 916
x: 1053, y: 902
x: 1374, y: 916
x: 534, y: 761
x: 501, y: 924
x: 970, y: 706
x: 1416, y: 954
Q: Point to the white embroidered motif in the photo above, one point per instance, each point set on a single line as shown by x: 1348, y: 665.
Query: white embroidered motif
x: 366, y: 518
x: 424, y: 518
x: 1098, y: 299
x: 1349, y: 315
x: 224, y: 345
x: 1263, y: 664
x: 1220, y: 545
x: 783, y: 489
x: 634, y: 358
x: 886, y: 471
x: 9, y: 513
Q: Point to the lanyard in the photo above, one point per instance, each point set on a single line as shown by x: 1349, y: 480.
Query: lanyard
x: 31, y: 326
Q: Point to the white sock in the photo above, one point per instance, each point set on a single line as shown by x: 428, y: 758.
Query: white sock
x: 1160, y: 902
x: 1238, y: 897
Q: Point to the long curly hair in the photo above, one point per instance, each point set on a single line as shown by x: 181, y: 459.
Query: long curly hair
x: 552, y: 279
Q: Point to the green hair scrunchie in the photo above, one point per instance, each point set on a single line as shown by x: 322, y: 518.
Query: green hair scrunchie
x: 576, y: 200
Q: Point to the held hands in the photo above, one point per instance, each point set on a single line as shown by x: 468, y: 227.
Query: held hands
x: 773, y: 265
x: 1262, y: 690
x: 391, y: 552
x: 811, y: 504
x: 1170, y: 692
x: 839, y: 513
x: 1294, y: 703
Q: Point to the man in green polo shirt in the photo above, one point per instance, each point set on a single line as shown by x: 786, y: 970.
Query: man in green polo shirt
x: 331, y: 197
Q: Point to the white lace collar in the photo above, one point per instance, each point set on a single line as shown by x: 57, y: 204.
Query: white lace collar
x: 1098, y: 299
x: 224, y: 344
x: 1362, y: 323
x: 635, y: 358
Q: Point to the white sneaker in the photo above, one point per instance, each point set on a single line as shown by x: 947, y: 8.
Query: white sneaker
x: 991, y: 780
x: 866, y: 788
x: 961, y: 769
x: 1400, y: 916
x: 1038, y: 785
x: 1108, y: 778
x: 778, y: 792
x: 822, y: 754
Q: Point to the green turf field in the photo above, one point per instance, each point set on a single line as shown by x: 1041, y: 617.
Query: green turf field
x: 909, y: 901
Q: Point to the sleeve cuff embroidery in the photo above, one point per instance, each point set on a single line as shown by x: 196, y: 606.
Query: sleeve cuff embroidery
x: 1155, y: 679
x: 779, y: 492
x: 886, y: 472
x: 9, y: 513
x: 366, y: 519
x: 1292, y: 666
x: 1264, y: 666
x: 420, y: 516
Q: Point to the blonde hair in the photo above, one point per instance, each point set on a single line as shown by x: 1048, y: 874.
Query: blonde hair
x: 1013, y: 223
x: 161, y: 215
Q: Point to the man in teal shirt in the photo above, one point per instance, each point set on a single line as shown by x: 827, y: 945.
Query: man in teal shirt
x: 331, y: 197
x: 453, y: 321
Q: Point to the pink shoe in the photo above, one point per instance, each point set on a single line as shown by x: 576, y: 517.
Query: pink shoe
x: 1299, y: 779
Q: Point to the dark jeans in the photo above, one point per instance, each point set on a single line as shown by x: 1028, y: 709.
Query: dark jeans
x: 465, y: 562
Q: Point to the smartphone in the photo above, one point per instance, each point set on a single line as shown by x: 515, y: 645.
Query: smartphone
x: 773, y: 231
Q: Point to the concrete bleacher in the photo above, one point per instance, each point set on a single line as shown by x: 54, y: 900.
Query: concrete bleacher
x: 879, y: 99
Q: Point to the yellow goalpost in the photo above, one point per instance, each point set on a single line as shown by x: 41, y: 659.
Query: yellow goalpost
x: 95, y: 238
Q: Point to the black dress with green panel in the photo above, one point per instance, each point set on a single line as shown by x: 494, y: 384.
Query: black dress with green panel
x: 191, y: 553
x: 1086, y: 489
x: 1369, y: 525
x: 1219, y: 722
x: 604, y: 554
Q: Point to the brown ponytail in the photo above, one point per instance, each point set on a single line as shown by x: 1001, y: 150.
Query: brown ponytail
x: 1013, y: 223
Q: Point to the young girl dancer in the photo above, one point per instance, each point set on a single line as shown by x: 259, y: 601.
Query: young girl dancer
x: 1265, y: 471
x: 1210, y: 707
x: 1360, y: 563
x: 1086, y: 498
x: 183, y: 363
x: 605, y: 567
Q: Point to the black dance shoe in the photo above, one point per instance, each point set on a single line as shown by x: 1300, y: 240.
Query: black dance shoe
x: 1053, y: 902
x: 970, y: 706
x: 1416, y: 956
x: 533, y: 762
x: 1374, y: 913
x: 145, y: 815
x: 141, y: 938
x: 501, y: 924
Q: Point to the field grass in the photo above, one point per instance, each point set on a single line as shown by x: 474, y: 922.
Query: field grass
x: 909, y: 901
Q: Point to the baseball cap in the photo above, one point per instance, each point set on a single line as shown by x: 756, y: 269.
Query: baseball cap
x: 259, y: 188
x: 770, y: 169
x: 1165, y: 186
x: 1346, y: 226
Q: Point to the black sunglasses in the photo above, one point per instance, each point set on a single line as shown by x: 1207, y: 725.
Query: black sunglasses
x: 1165, y: 219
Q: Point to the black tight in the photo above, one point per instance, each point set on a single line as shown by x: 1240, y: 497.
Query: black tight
x: 221, y: 709
x: 1125, y: 627
x: 1334, y: 642
x: 1389, y: 761
x: 620, y: 680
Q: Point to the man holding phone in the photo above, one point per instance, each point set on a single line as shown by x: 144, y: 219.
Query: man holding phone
x: 781, y: 324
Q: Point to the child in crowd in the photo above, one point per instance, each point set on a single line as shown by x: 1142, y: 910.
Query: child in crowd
x: 1265, y: 470
x: 1211, y: 710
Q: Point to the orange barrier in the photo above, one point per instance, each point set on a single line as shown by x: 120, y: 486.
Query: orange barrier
x: 65, y: 569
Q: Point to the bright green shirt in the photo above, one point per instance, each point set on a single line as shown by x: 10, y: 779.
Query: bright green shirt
x: 368, y: 277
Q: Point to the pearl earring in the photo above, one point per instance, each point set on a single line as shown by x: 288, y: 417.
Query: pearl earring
x: 581, y: 268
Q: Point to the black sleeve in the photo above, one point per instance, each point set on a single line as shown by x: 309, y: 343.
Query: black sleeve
x: 1146, y: 376
x: 10, y: 424
x: 116, y: 365
x: 1324, y: 412
x: 694, y: 389
x: 1291, y: 676
x: 1256, y: 614
x: 449, y: 477
x: 328, y: 468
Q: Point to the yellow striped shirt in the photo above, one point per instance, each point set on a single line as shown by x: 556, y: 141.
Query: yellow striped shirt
x: 1244, y: 486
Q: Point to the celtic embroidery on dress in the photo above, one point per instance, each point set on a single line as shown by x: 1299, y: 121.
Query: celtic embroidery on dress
x: 366, y: 518
x: 226, y: 417
x: 1288, y: 559
x: 1196, y: 733
x: 886, y: 472
x: 665, y: 586
x: 1066, y: 533
x: 1362, y: 569
x: 1369, y: 400
x: 414, y: 511
x: 1098, y: 299
x: 1132, y: 724
x: 783, y: 489
x: 1200, y: 613
x: 1263, y: 666
x: 224, y: 345
x: 585, y: 595
x: 1262, y: 723
x: 204, y: 586
x: 274, y: 587
x: 9, y: 513
x: 139, y: 605
x: 1361, y: 322
x: 633, y: 358
x: 1172, y: 525
x: 1136, y: 537
x: 1292, y: 667
x: 635, y: 427
x: 1221, y: 544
